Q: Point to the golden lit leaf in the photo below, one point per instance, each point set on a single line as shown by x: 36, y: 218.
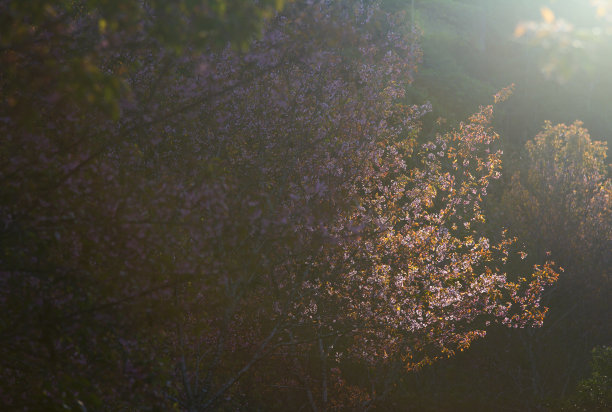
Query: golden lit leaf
x: 519, y: 30
x: 547, y: 14
x: 601, y: 11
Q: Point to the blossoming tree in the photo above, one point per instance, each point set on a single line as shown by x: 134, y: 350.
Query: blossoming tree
x: 250, y: 227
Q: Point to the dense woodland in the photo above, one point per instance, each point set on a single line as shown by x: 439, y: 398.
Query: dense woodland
x: 394, y: 205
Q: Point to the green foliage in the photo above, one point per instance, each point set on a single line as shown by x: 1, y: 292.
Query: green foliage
x: 56, y: 56
x: 595, y: 392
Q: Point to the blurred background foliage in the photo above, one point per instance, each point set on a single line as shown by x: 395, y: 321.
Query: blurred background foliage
x: 471, y: 49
